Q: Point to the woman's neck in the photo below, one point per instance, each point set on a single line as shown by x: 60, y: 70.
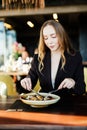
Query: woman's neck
x: 54, y: 53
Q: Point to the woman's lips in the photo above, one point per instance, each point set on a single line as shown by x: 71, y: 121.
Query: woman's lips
x: 51, y: 46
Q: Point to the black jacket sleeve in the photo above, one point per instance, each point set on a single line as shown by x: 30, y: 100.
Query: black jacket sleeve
x: 33, y: 71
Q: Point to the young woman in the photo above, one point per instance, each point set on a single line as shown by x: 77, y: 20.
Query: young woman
x: 57, y: 65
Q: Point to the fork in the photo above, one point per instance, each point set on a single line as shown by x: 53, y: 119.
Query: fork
x: 32, y: 90
x: 50, y: 93
x: 53, y: 91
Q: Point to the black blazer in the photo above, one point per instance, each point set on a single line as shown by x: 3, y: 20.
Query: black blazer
x: 72, y: 69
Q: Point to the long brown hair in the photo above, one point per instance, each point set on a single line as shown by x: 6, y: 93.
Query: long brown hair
x: 64, y: 41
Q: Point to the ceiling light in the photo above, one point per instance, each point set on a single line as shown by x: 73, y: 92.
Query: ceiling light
x: 55, y: 16
x: 8, y: 26
x: 30, y: 24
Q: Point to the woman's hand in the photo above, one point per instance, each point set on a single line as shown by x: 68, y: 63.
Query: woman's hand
x: 67, y: 83
x: 26, y: 83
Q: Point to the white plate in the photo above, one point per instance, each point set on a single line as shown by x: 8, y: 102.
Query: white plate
x: 39, y: 104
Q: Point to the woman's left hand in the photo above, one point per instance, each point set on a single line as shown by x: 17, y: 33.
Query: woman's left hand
x: 67, y: 83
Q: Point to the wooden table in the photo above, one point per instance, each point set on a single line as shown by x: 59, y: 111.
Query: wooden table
x: 68, y: 113
x: 13, y: 73
x: 85, y: 63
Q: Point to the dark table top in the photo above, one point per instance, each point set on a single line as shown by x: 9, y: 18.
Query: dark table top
x: 77, y: 105
x: 69, y: 112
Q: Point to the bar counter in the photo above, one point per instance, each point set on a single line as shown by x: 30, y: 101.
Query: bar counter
x: 67, y: 113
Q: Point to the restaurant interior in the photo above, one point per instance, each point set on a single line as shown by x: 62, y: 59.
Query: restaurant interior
x: 20, y: 23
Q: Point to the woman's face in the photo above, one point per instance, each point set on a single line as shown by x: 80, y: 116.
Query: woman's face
x: 50, y: 38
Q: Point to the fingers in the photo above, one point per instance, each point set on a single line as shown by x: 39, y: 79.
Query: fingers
x: 26, y: 83
x: 67, y: 83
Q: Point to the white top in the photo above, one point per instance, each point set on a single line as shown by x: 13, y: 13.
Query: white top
x: 55, y: 59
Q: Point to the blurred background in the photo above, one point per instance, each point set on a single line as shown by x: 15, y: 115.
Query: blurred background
x: 16, y: 15
x: 20, y: 23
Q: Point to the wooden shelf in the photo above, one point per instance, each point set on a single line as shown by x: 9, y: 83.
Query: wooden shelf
x: 47, y: 10
x: 85, y: 63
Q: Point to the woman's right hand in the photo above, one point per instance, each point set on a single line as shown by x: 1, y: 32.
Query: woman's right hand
x: 26, y: 83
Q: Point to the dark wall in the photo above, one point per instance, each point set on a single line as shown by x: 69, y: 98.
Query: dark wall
x: 29, y: 42
x: 83, y: 37
x: 76, y: 27
x: 64, y: 2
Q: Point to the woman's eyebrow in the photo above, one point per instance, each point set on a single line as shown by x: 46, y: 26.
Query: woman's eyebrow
x: 53, y: 34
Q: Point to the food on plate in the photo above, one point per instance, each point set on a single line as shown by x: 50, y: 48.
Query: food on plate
x: 39, y: 100
x: 36, y: 97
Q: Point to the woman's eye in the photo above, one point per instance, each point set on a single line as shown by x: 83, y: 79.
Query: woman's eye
x: 53, y: 36
x: 45, y: 38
